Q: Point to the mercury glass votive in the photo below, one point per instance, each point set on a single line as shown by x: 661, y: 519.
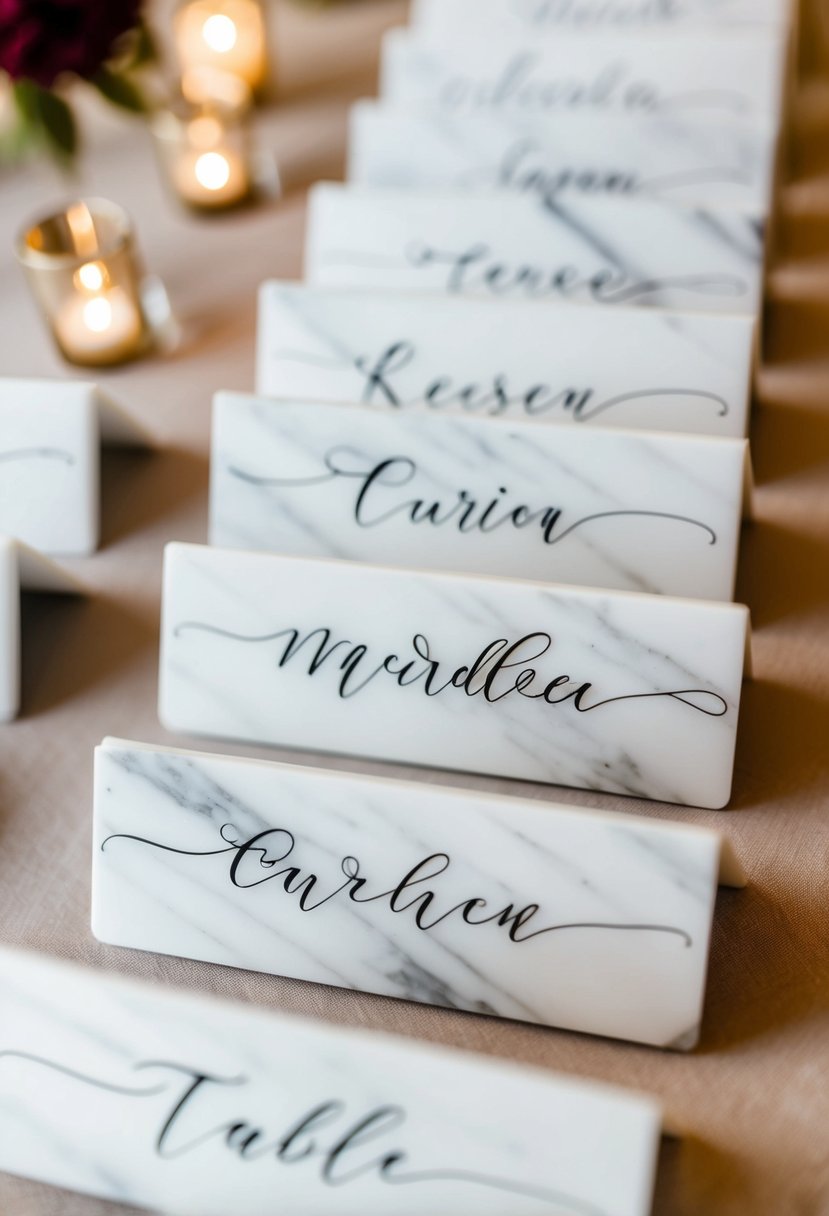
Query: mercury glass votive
x: 224, y: 36
x: 82, y: 268
x: 206, y: 154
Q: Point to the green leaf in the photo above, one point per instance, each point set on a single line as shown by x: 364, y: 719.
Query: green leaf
x: 45, y: 118
x: 58, y: 124
x: 120, y: 90
x: 144, y: 50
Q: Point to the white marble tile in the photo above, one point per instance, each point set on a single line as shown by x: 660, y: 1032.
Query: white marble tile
x: 484, y: 358
x: 682, y: 160
x: 190, y: 1105
x: 581, y: 249
x: 21, y: 569
x: 626, y: 693
x: 598, y: 508
x: 50, y: 437
x: 452, y: 19
x: 722, y: 78
x: 562, y: 917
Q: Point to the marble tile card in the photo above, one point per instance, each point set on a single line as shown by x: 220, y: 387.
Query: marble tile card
x: 545, y: 914
x: 50, y: 437
x: 682, y: 160
x: 449, y: 19
x: 720, y: 79
x: 186, y: 1104
x: 634, y: 512
x: 638, y: 252
x: 490, y: 359
x: 624, y: 693
x: 21, y: 569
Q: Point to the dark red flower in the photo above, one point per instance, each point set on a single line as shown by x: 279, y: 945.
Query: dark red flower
x: 39, y: 39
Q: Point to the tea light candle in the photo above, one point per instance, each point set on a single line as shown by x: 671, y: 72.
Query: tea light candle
x: 81, y: 266
x: 226, y: 36
x: 206, y: 156
x: 98, y: 322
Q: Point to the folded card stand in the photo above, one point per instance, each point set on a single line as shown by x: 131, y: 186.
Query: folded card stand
x: 186, y: 1104
x: 683, y: 160
x: 634, y: 512
x: 50, y: 436
x: 21, y: 569
x: 582, y: 249
x: 633, y: 694
x: 546, y: 914
x: 452, y: 18
x: 627, y: 368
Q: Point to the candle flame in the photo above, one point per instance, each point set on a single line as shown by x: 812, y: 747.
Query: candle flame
x: 220, y: 33
x: 212, y: 171
x: 92, y: 276
x: 97, y: 314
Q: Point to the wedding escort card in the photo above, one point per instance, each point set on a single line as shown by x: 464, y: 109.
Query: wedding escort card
x: 630, y: 368
x: 545, y: 914
x: 636, y: 512
x: 188, y: 1104
x: 581, y: 249
x: 454, y: 18
x: 21, y: 569
x: 716, y: 78
x: 682, y: 160
x: 50, y: 437
x: 619, y: 692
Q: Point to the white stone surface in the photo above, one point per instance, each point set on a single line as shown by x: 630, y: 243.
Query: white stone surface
x: 562, y: 917
x: 598, y: 250
x: 738, y: 76
x: 598, y: 508
x: 631, y: 368
x: 683, y: 160
x: 21, y: 569
x: 185, y: 1104
x: 626, y: 693
x: 50, y: 437
x: 451, y: 19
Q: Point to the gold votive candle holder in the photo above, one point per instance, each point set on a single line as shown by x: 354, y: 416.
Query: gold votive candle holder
x: 82, y: 267
x: 207, y: 155
x: 220, y: 36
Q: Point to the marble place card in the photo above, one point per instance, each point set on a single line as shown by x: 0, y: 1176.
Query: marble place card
x: 21, y: 569
x: 545, y: 914
x: 634, y: 512
x: 188, y: 1104
x: 682, y: 160
x: 629, y: 368
x: 50, y: 437
x: 625, y: 693
x: 450, y: 19
x: 716, y: 78
x: 640, y: 252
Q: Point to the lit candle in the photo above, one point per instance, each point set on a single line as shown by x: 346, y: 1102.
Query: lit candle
x: 206, y: 157
x: 98, y: 323
x: 224, y: 36
x: 81, y: 267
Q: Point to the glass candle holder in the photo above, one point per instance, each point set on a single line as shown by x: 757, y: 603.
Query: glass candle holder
x: 220, y: 36
x: 206, y: 155
x: 82, y: 268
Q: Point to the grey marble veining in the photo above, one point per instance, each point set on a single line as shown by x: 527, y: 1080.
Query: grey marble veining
x: 186, y: 1104
x: 634, y: 512
x: 627, y: 693
x: 626, y: 368
x: 680, y: 159
x: 580, y: 249
x: 741, y: 76
x: 545, y: 914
